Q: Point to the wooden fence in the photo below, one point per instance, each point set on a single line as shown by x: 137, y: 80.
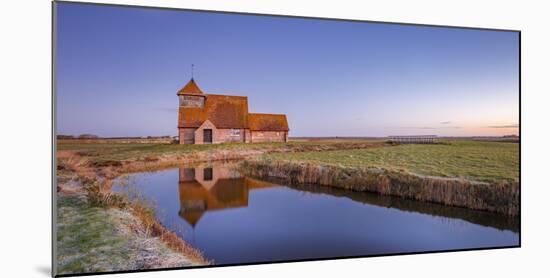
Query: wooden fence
x: 413, y: 139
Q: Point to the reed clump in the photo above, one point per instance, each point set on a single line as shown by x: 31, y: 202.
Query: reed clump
x: 154, y: 228
x: 500, y: 197
x: 98, y: 197
x: 144, y: 212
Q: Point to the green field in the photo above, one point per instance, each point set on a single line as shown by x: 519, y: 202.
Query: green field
x: 472, y: 160
x: 97, y: 152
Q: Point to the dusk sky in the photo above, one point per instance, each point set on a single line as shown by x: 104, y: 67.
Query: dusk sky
x: 118, y: 70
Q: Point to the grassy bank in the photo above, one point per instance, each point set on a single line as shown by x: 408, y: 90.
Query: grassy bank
x: 469, y: 160
x: 94, y: 239
x: 477, y: 175
x: 101, y: 231
x: 501, y: 222
x: 112, y: 154
x: 494, y: 197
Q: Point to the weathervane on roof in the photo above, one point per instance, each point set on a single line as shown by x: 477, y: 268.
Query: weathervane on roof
x: 192, y: 70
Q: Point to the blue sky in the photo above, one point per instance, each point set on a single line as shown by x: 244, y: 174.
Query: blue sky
x: 118, y: 70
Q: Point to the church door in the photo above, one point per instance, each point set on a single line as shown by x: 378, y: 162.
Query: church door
x: 207, y: 136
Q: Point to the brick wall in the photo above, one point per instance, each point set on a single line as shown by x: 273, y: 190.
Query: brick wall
x: 230, y: 135
x: 186, y: 135
x: 223, y: 135
x: 247, y: 136
x: 219, y: 135
x: 268, y: 136
x: 199, y: 133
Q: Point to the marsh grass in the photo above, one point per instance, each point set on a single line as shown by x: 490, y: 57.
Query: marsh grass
x: 100, y: 198
x: 144, y: 210
x: 112, y: 154
x: 501, y: 197
x: 405, y: 204
x: 469, y: 160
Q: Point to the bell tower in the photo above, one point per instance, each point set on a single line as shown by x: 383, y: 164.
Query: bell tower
x: 191, y: 95
x: 190, y: 98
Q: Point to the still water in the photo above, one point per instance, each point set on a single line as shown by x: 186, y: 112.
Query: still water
x: 236, y: 219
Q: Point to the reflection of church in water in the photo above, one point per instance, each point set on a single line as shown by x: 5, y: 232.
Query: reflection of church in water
x: 213, y: 188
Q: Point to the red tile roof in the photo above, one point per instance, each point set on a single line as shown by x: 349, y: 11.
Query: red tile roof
x: 191, y: 88
x: 223, y: 111
x: 267, y: 122
x: 226, y: 112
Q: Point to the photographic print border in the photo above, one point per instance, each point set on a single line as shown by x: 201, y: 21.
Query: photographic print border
x: 54, y: 136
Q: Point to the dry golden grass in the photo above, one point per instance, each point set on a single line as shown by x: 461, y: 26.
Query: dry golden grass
x: 146, y: 215
x: 111, y: 154
x: 501, y: 197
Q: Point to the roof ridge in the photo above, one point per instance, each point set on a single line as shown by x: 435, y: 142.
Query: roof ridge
x: 191, y: 88
x: 210, y: 94
x: 273, y: 114
x: 267, y: 122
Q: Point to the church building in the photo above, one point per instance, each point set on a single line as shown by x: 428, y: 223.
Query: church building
x: 205, y: 118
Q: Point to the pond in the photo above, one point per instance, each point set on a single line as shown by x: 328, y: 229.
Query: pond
x: 236, y: 219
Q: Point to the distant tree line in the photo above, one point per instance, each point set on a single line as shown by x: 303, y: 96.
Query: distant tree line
x: 81, y: 136
x: 93, y: 136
